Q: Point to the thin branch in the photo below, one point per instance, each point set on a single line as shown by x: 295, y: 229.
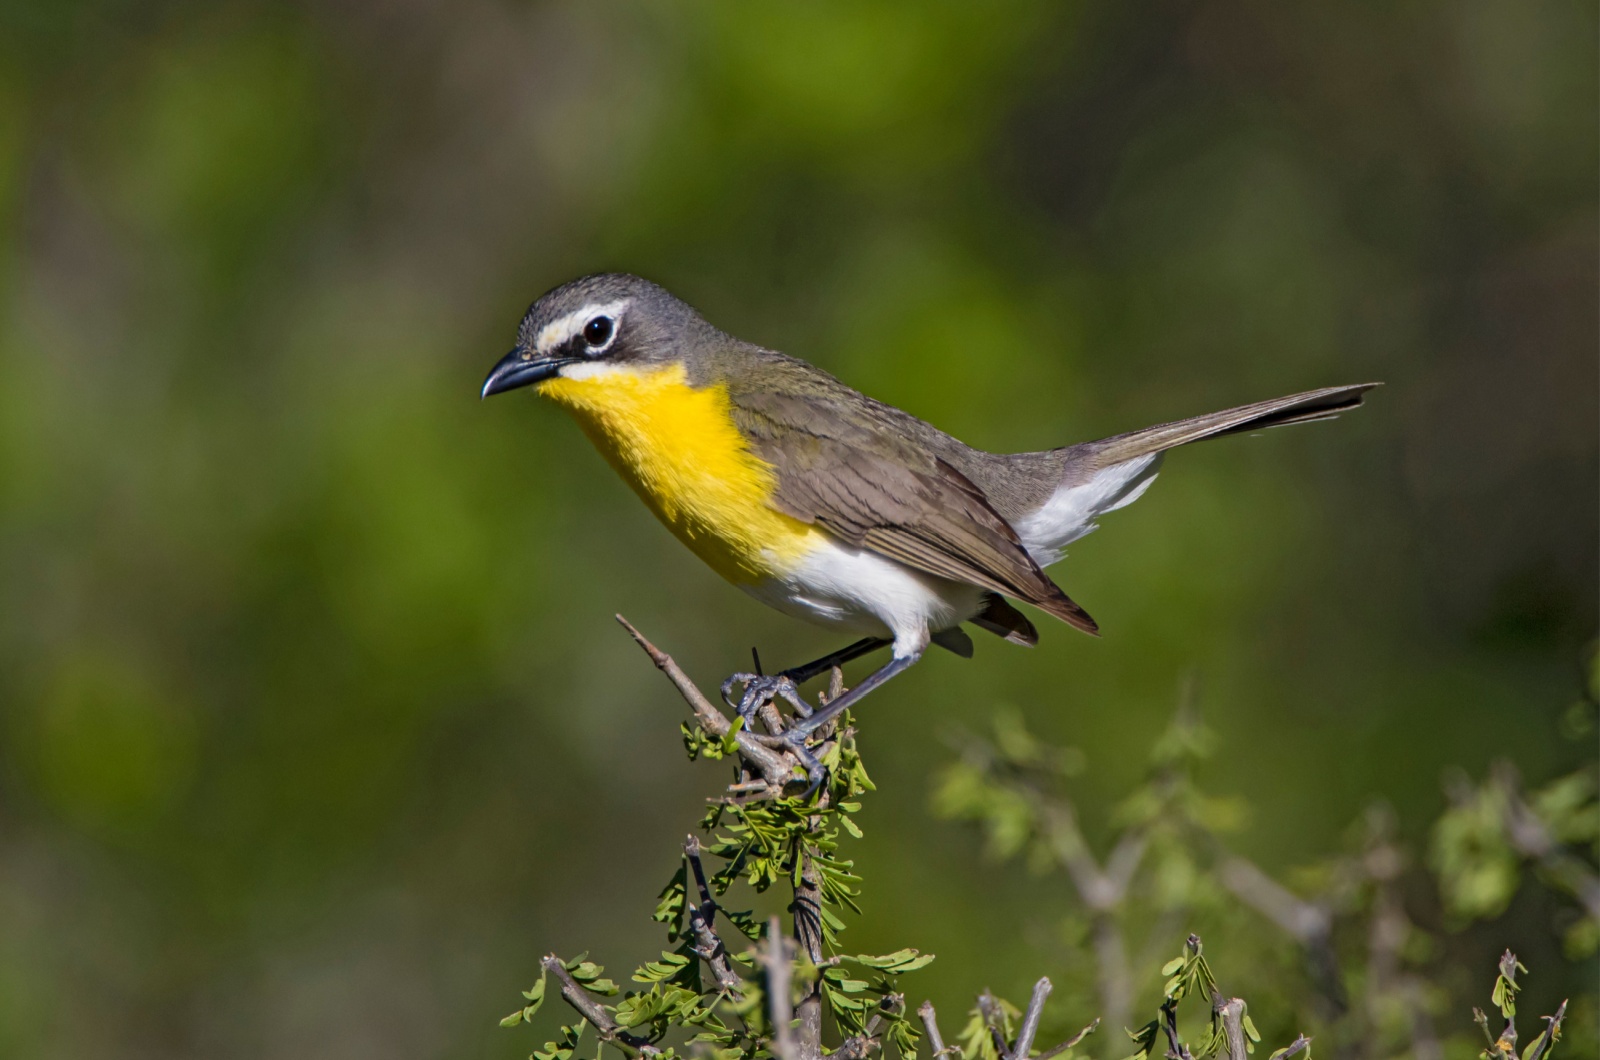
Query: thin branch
x: 590, y: 1009
x: 702, y: 918
x: 775, y: 768
x: 1530, y: 837
x: 930, y: 1023
x: 993, y: 1019
x: 1296, y: 1047
x: 1305, y: 922
x: 1231, y: 1010
x: 1070, y: 1042
x: 1176, y: 1050
x: 807, y: 911
x: 1552, y: 1030
x: 860, y: 1046
x: 1030, y: 1020
x: 778, y: 972
x: 1308, y: 923
x: 1102, y: 891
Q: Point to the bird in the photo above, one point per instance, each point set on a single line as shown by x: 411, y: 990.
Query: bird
x: 829, y: 505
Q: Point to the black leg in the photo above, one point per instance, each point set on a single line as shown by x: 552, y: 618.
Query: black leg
x: 785, y: 685
x: 794, y: 738
x: 801, y: 674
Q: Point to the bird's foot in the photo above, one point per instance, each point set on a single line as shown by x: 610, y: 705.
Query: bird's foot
x: 793, y: 740
x: 760, y: 689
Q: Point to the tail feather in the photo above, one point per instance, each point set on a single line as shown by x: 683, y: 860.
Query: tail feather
x: 1307, y: 407
x: 1099, y: 477
x: 1003, y: 620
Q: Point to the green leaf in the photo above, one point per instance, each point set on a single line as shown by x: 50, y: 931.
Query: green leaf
x: 730, y: 741
x: 907, y: 960
x: 586, y: 972
x: 673, y: 901
x: 513, y: 1019
x: 1172, y: 966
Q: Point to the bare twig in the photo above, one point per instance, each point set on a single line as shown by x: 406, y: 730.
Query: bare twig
x: 1296, y: 1047
x: 1231, y: 1009
x: 702, y: 919
x: 1070, y: 1042
x: 778, y: 968
x: 930, y: 1023
x: 775, y: 768
x: 1030, y: 1020
x: 1552, y: 1031
x: 591, y: 1010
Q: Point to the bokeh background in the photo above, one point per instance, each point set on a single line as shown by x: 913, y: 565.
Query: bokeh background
x: 315, y: 730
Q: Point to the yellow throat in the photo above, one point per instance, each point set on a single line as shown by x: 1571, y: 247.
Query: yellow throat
x: 679, y: 449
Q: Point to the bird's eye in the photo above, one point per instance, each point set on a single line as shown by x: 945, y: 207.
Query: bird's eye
x: 598, y: 331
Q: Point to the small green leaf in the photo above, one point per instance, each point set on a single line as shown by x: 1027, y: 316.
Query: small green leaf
x: 513, y: 1019
x: 586, y: 972
x: 1172, y: 966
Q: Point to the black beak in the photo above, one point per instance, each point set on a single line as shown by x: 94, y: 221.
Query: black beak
x: 520, y: 368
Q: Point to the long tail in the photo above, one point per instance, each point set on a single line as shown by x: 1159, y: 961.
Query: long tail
x: 1099, y: 477
x: 1308, y: 407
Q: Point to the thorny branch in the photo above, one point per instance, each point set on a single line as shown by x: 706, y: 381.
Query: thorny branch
x: 774, y: 767
x: 765, y: 770
x: 707, y: 943
x: 591, y: 1010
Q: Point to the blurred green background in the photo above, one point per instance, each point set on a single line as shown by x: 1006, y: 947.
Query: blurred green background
x: 316, y: 730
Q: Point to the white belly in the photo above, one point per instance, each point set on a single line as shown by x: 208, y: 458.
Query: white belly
x: 861, y: 592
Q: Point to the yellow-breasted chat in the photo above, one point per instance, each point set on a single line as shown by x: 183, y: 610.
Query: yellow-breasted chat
x: 825, y: 503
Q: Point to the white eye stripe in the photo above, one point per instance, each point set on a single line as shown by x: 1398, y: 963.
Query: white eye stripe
x: 559, y: 332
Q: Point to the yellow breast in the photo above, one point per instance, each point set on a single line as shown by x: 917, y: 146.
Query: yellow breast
x: 678, y: 448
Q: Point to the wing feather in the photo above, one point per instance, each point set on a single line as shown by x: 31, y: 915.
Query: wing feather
x: 842, y: 465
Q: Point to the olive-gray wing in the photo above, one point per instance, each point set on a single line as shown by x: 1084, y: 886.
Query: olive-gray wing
x: 851, y: 472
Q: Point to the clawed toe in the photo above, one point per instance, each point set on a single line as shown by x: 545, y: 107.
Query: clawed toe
x: 761, y: 689
x: 794, y: 741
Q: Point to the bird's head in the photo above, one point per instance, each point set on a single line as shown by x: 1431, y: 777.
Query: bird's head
x: 605, y: 322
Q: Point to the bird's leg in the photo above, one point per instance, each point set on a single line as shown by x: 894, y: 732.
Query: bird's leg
x: 794, y: 738
x: 760, y: 688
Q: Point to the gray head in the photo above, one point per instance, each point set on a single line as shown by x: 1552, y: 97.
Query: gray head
x: 605, y: 319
